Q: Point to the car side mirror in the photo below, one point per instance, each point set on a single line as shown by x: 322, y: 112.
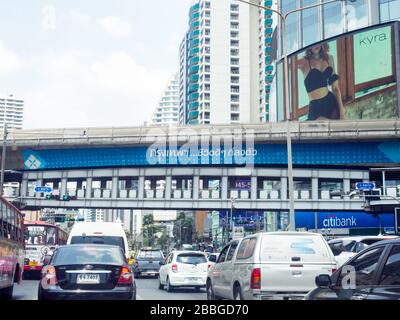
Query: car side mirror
x: 323, y: 281
x: 46, y: 260
x: 161, y: 263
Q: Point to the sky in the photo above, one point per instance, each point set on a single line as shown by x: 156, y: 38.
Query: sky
x: 90, y: 63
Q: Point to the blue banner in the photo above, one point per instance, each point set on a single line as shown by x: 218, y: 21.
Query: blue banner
x: 343, y: 220
x: 259, y: 154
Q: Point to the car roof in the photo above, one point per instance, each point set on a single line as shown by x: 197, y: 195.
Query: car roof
x: 188, y: 251
x: 91, y: 227
x: 85, y: 245
x: 386, y: 242
x: 361, y: 238
x: 289, y: 233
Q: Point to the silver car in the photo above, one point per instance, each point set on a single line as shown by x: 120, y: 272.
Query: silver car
x: 275, y: 265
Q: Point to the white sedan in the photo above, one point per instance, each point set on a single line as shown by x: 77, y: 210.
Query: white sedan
x: 183, y: 269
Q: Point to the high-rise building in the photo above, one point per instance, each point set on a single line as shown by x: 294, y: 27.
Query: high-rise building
x: 183, y: 83
x: 11, y: 112
x: 167, y: 111
x: 222, y: 64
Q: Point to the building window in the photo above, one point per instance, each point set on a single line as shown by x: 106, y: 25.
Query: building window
x: 357, y: 14
x: 291, y: 25
x: 333, y: 19
x: 310, y: 21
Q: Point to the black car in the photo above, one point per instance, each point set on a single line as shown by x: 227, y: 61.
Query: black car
x: 373, y: 274
x: 87, y: 272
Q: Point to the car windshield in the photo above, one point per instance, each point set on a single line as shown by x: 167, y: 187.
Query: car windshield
x: 190, y: 258
x: 115, y: 241
x: 69, y: 255
x: 150, y: 254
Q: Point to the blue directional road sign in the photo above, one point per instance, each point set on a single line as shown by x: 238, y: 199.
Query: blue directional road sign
x: 43, y: 189
x: 365, y: 186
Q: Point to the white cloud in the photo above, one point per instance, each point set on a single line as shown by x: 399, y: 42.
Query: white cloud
x: 115, y: 26
x: 77, y: 90
x: 81, y: 17
x: 9, y: 61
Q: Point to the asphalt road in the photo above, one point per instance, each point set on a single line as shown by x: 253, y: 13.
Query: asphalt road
x: 147, y: 289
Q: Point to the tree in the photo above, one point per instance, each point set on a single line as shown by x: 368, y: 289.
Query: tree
x: 149, y: 231
x: 183, y: 229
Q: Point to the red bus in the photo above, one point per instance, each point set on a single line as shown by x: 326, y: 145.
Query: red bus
x: 41, y: 239
x: 11, y: 247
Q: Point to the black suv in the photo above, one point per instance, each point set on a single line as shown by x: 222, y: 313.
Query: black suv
x: 373, y: 274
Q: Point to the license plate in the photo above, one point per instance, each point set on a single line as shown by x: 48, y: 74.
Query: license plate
x: 192, y: 279
x: 33, y: 263
x: 88, y: 278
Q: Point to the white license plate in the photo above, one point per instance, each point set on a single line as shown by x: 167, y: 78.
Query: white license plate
x: 85, y: 278
x: 192, y: 279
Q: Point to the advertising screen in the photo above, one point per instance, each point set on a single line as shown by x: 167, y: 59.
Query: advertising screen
x: 351, y: 77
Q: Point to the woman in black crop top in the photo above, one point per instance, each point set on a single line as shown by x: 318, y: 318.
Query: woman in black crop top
x: 319, y: 74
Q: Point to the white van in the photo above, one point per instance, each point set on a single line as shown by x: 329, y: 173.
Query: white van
x: 101, y: 233
x: 276, y: 265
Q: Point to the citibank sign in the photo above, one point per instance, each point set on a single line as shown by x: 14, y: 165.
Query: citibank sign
x: 336, y: 222
x: 342, y: 219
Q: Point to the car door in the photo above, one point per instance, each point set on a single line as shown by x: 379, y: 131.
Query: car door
x: 355, y: 279
x: 226, y: 276
x: 164, y: 269
x: 388, y: 287
x: 217, y: 271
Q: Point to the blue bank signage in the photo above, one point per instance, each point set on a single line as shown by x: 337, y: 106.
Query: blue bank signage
x: 343, y: 220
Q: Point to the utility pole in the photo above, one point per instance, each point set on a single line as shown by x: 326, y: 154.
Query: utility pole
x: 3, y: 158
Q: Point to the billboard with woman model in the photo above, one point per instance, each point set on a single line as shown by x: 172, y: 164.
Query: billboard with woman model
x: 351, y: 77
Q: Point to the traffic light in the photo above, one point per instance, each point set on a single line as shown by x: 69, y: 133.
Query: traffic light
x: 52, y: 197
x: 66, y: 198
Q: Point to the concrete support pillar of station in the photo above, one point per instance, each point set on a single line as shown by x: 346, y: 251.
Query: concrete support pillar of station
x: 254, y: 188
x: 224, y: 188
x: 24, y: 188
x: 346, y: 185
x: 39, y: 183
x: 141, y: 188
x: 196, y: 182
x: 284, y: 188
x: 314, y: 189
x: 168, y: 187
x: 114, y: 188
x: 89, y: 182
x: 63, y: 190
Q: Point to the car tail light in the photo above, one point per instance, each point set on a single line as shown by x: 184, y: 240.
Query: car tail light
x: 209, y: 266
x: 174, y: 267
x: 125, y: 276
x: 49, y: 275
x: 255, y: 282
x: 333, y: 270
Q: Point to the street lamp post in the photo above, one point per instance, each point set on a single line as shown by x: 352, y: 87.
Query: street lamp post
x: 286, y: 99
x: 3, y: 158
x: 230, y: 230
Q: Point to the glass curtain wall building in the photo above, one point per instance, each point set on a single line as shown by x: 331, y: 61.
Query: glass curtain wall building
x: 309, y: 26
